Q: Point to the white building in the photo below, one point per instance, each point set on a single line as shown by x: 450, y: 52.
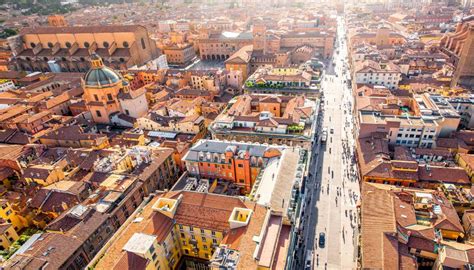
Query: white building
x: 134, y: 103
x: 465, y: 108
x: 166, y: 26
x: 6, y: 85
x: 181, y: 26
x: 377, y: 73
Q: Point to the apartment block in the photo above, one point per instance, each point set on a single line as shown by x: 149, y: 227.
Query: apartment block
x: 377, y: 73
x: 167, y: 236
x: 267, y: 119
x: 284, y: 81
x: 411, y: 121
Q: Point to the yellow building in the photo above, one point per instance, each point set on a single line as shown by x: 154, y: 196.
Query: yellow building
x: 8, y: 235
x: 10, y: 215
x: 43, y: 174
x: 466, y: 162
x: 75, y: 137
x: 187, y: 226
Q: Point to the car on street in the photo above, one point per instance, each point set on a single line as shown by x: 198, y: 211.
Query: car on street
x: 324, y: 135
x: 309, y: 260
x: 332, y: 131
x: 322, y: 239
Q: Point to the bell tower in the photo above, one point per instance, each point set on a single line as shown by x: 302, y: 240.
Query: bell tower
x: 260, y: 37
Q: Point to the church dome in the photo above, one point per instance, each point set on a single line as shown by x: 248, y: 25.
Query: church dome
x: 100, y: 75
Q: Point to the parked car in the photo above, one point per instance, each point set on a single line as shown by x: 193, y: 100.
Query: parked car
x: 322, y: 239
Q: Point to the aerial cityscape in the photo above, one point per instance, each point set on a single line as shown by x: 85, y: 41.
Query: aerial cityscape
x: 236, y: 134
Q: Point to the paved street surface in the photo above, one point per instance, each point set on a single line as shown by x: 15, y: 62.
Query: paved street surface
x: 334, y: 186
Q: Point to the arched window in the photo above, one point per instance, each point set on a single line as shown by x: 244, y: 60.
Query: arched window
x: 143, y: 43
x: 125, y: 44
x: 122, y: 60
x: 32, y: 44
x: 50, y: 44
x: 106, y: 44
x: 86, y: 44
x: 68, y: 44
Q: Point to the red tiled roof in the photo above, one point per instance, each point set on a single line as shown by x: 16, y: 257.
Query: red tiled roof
x: 130, y: 260
x: 209, y: 211
x: 80, y: 29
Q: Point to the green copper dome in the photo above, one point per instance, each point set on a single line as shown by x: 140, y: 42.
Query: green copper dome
x: 99, y: 74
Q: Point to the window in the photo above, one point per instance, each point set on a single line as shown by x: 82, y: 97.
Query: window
x: 240, y: 165
x: 96, y: 98
x: 109, y: 97
x: 152, y: 250
x: 127, y: 112
x: 125, y: 44
x: 32, y: 44
x: 204, y: 239
x: 105, y: 44
x: 241, y: 181
x: 202, y: 231
x: 68, y: 44
x: 98, y: 113
x: 86, y: 44
x: 50, y: 44
x: 143, y: 43
x: 214, y: 241
x: 213, y: 233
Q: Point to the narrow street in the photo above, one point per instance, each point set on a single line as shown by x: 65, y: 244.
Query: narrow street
x: 334, y: 188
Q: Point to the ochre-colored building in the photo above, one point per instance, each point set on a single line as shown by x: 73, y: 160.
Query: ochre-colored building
x: 188, y: 226
x: 7, y: 236
x: 68, y: 48
x: 106, y: 93
x: 56, y: 20
x: 180, y: 54
x: 9, y: 213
